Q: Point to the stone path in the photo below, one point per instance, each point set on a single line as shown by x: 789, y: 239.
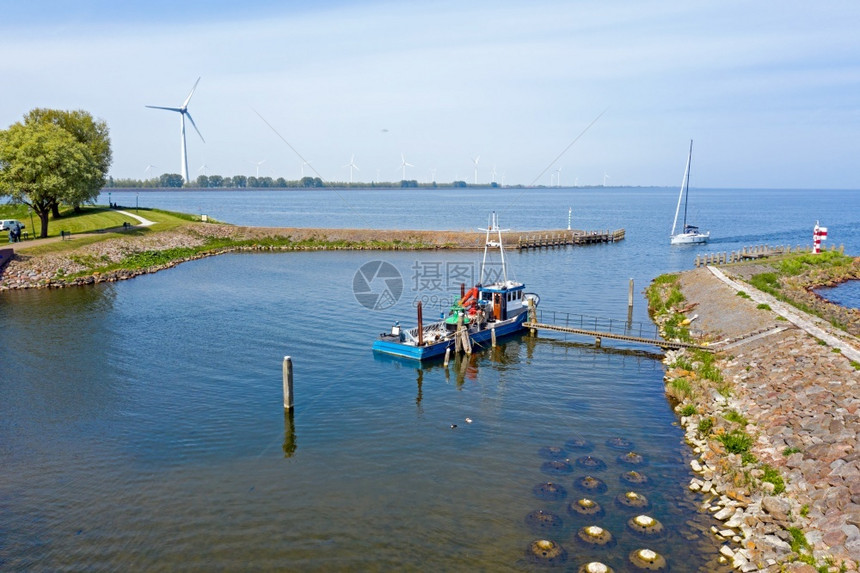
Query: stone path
x: 847, y: 344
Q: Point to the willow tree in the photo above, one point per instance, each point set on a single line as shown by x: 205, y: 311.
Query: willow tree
x: 91, y: 132
x: 43, y: 165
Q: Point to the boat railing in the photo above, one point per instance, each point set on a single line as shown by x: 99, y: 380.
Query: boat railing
x: 411, y: 334
x: 598, y: 324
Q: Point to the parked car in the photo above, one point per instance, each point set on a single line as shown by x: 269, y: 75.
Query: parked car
x: 7, y: 224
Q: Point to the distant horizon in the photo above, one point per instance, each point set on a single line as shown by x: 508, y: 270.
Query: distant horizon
x: 448, y: 186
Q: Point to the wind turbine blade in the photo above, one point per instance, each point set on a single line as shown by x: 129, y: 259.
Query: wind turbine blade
x: 185, y: 103
x: 195, y: 127
x: 167, y: 108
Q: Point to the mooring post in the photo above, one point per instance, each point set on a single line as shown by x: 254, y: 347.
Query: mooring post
x: 420, y: 325
x: 532, y: 315
x: 493, y: 336
x: 630, y: 295
x: 447, y: 356
x: 288, y: 383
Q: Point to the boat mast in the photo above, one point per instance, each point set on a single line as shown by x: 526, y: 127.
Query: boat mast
x: 687, y: 191
x: 681, y: 192
x: 493, y: 226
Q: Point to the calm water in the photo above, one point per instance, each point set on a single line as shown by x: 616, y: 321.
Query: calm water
x: 141, y: 425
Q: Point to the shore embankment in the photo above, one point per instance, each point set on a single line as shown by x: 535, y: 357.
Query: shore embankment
x: 773, y: 418
x: 126, y: 254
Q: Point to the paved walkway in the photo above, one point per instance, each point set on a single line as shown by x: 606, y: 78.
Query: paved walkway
x: 143, y: 222
x: 847, y: 344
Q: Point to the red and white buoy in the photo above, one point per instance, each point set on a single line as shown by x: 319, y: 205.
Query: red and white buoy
x: 818, y: 234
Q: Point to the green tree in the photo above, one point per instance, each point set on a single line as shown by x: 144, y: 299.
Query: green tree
x: 43, y: 165
x: 202, y: 181
x: 170, y: 180
x: 216, y: 181
x: 90, y: 132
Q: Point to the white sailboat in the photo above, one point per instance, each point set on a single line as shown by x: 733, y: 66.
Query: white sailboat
x: 689, y: 233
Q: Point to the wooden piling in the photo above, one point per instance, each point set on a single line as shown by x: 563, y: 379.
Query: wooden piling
x: 493, y: 336
x: 288, y: 383
x: 630, y: 295
x: 447, y: 356
x: 420, y: 325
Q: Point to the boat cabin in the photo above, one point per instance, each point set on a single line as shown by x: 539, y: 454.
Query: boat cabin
x: 498, y: 297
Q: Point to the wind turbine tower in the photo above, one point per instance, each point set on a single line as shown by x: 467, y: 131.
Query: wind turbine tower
x: 558, y: 177
x: 352, y: 166
x: 258, y: 163
x: 475, y: 161
x: 404, y: 164
x: 183, y: 111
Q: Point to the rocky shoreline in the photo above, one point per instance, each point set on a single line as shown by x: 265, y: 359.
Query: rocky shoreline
x: 791, y: 501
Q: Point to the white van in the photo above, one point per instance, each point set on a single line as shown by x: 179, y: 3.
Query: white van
x: 7, y: 224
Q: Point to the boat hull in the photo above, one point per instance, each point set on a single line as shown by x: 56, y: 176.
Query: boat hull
x: 690, y: 238
x: 438, y: 349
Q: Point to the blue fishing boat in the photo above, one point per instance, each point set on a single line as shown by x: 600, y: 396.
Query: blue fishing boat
x: 496, y: 304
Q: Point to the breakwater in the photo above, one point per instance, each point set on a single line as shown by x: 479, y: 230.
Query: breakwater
x: 774, y: 424
x: 115, y: 258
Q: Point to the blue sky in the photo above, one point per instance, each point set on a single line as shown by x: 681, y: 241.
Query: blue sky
x: 768, y: 91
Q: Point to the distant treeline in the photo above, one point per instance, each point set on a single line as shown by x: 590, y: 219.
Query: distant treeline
x: 174, y: 180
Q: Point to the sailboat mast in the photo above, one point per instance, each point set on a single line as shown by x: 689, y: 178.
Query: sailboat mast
x: 687, y: 190
x: 681, y: 194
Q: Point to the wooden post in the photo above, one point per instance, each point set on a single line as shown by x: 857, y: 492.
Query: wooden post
x: 532, y: 315
x: 493, y: 336
x: 288, y: 383
x: 420, y: 325
x: 447, y: 356
x: 630, y: 295
x: 597, y: 342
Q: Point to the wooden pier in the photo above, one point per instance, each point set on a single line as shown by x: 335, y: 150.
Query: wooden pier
x: 753, y: 253
x: 565, y: 238
x: 599, y: 335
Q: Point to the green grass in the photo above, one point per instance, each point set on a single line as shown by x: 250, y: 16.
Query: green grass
x: 799, y: 264
x: 766, y: 282
x: 736, y: 441
x: 681, y: 388
x: 734, y: 416
x: 742, y: 294
x: 790, y: 450
x: 771, y: 475
x: 764, y: 306
x: 688, y: 410
x: 705, y: 426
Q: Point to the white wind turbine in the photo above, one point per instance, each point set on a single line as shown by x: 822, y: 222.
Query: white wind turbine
x: 148, y: 171
x: 558, y: 177
x: 404, y: 164
x: 183, y: 111
x: 303, y: 167
x: 493, y: 178
x: 605, y: 177
x: 475, y: 161
x: 203, y: 169
x: 352, y: 166
x: 258, y: 163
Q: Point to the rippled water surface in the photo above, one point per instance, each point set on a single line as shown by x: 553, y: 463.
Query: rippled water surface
x: 142, y: 427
